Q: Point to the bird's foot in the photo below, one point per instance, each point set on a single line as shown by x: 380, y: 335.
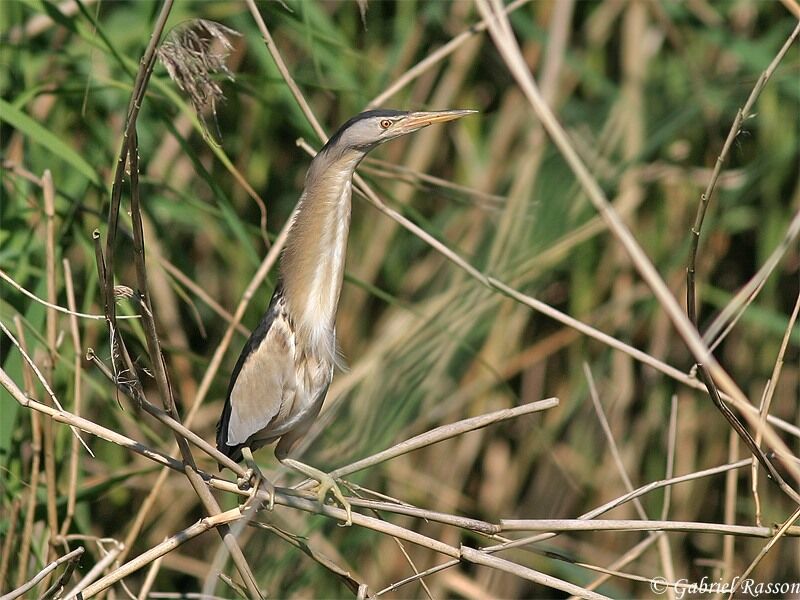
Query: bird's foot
x: 254, y: 480
x: 245, y: 482
x: 326, y: 484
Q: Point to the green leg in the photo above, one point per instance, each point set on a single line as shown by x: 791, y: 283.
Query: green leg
x: 326, y: 484
x: 254, y: 479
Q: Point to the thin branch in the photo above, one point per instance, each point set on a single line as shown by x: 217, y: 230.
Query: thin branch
x: 639, y: 525
x: 51, y: 334
x: 161, y: 549
x: 42, y: 380
x: 73, y: 556
x: 782, y: 531
x: 443, y: 433
x: 284, y: 71
x: 146, y: 64
x: 741, y: 116
x: 691, y: 296
x: 728, y: 317
x: 181, y: 277
x: 612, y: 444
x: 626, y: 498
x: 436, y: 56
x: 75, y: 421
x: 481, y: 558
x: 110, y: 556
x: 623, y: 472
x: 61, y: 309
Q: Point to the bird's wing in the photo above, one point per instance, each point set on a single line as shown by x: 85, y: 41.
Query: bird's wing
x: 262, y: 379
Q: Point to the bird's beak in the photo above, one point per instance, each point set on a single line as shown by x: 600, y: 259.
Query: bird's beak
x: 418, y: 120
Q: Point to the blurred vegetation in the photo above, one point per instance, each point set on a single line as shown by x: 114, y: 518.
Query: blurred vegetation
x: 647, y: 90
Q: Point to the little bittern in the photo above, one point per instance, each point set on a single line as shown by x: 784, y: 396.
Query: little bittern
x: 280, y: 380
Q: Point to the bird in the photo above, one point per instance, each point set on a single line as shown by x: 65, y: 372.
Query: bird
x: 280, y: 380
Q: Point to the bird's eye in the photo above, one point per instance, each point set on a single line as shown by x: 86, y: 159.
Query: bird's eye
x: 385, y: 124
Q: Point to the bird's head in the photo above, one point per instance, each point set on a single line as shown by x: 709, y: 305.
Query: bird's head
x: 369, y: 129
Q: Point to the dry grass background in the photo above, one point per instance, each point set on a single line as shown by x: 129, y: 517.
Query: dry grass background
x: 455, y: 303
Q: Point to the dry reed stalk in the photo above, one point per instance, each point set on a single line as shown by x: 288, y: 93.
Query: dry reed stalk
x: 51, y: 324
x: 557, y: 315
x: 211, y: 371
x: 36, y: 450
x: 667, y: 565
x: 77, y: 395
x: 43, y: 576
x: 129, y: 156
x: 507, y: 45
x: 9, y: 538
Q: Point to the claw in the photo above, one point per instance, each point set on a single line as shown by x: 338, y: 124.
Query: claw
x: 254, y: 480
x: 245, y: 481
x: 326, y: 484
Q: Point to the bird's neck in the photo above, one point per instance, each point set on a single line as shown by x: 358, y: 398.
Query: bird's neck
x: 312, y: 265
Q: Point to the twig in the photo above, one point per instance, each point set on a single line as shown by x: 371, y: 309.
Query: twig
x: 691, y: 299
x: 612, y: 444
x: 729, y: 510
x: 147, y: 62
x: 99, y: 567
x: 436, y: 56
x: 666, y: 562
x: 42, y: 380
x: 772, y: 382
x: 443, y: 433
x: 284, y: 497
x: 298, y: 542
x: 787, y: 525
x: 754, y: 469
x: 481, y: 558
x: 150, y: 579
x: 161, y: 549
x: 74, y: 421
x: 741, y: 116
x: 671, y: 446
x: 463, y: 553
x: 729, y: 316
x: 181, y: 277
x: 623, y: 499
x: 61, y: 309
x: 284, y: 71
x: 176, y: 426
x: 640, y: 525
x: 73, y: 556
x: 57, y: 588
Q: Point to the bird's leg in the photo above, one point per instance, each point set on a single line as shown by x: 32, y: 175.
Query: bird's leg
x: 254, y: 479
x: 326, y: 484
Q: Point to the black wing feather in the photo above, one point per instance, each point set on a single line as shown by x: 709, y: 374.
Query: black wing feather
x: 253, y: 342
